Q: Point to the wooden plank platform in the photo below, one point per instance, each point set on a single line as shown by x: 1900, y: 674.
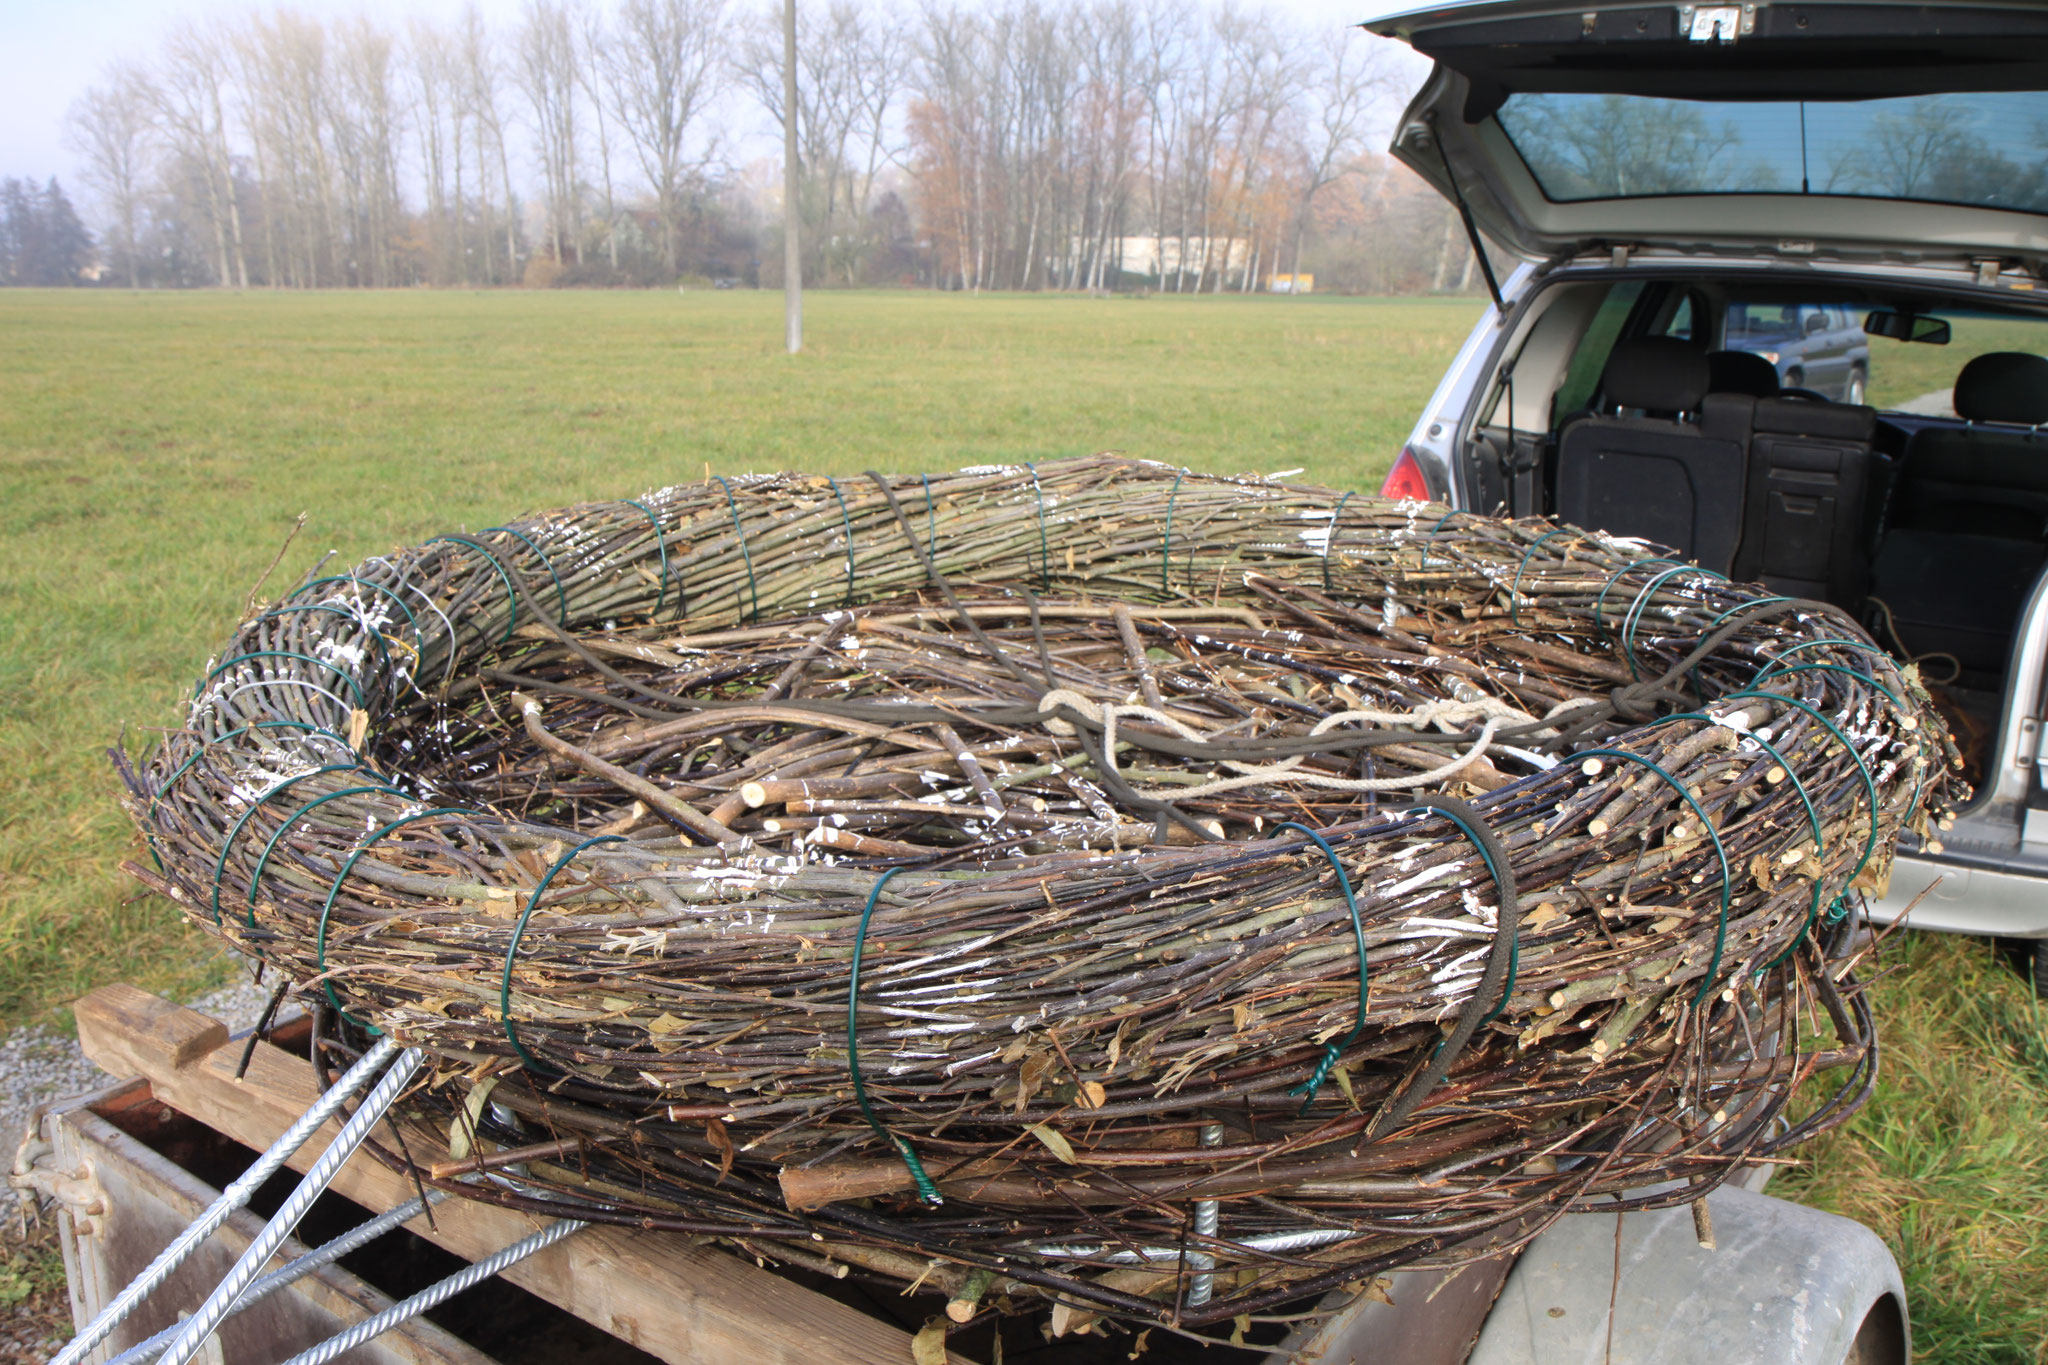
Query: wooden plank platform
x: 145, y: 1200
x: 683, y: 1303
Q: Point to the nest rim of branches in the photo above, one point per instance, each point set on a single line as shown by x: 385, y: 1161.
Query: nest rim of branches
x: 1824, y: 718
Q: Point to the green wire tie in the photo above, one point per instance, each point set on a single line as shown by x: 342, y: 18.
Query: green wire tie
x: 1515, y: 588
x: 1044, y: 547
x: 1332, y: 1051
x: 661, y: 544
x: 334, y: 889
x: 149, y: 811
x: 1773, y: 671
x: 1600, y: 603
x: 504, y: 575
x: 1454, y: 512
x: 748, y: 555
x: 845, y: 520
x: 512, y: 948
x: 561, y: 596
x: 1636, y: 609
x: 1843, y: 641
x: 926, y: 1190
x: 340, y: 673
x: 256, y: 877
x: 1820, y: 842
x: 1869, y: 787
x: 931, y: 517
x: 1741, y: 607
x: 220, y: 864
x: 1330, y: 542
x: 417, y: 634
x: 1500, y: 892
x: 383, y: 651
x: 1720, y: 852
x: 1166, y: 541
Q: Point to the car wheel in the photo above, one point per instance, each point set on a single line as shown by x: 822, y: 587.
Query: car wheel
x: 1858, y: 388
x: 2037, y: 963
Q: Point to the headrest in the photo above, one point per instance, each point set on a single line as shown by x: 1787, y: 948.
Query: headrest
x: 1804, y: 417
x: 1741, y: 372
x: 2004, y: 386
x: 1656, y: 374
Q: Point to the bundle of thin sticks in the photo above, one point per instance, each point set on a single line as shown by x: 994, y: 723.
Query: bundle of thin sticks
x: 1165, y: 896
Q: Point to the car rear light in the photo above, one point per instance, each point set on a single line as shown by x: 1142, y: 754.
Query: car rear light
x: 1404, y: 480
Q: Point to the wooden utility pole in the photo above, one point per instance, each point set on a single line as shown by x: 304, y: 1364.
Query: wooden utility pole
x: 792, y: 253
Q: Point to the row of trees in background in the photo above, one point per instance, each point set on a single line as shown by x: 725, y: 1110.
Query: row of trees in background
x: 1012, y: 145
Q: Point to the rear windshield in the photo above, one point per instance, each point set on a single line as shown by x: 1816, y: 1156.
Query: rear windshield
x: 1989, y: 149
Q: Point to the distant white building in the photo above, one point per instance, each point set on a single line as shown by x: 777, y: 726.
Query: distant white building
x: 1151, y: 256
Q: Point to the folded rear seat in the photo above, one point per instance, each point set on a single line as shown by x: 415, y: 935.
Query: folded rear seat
x: 1809, y: 474
x: 1664, y: 459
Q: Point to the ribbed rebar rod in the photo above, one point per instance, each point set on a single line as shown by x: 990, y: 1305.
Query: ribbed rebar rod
x: 370, y: 1328
x: 231, y: 1198
x: 193, y: 1333
x: 327, y: 1253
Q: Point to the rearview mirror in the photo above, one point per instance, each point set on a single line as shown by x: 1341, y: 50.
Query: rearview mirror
x: 1907, y: 327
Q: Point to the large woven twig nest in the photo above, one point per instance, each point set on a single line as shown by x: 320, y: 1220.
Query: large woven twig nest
x: 620, y: 792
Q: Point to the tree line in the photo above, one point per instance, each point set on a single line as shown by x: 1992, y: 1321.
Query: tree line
x: 1016, y: 145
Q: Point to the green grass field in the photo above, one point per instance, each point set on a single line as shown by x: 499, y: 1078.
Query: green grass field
x: 155, y: 449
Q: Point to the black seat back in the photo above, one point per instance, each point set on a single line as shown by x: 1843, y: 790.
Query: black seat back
x: 1982, y: 480
x: 1741, y: 372
x: 1965, y: 528
x: 1662, y: 460
x: 1809, y: 474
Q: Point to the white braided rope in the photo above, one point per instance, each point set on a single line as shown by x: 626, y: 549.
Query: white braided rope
x: 1443, y: 714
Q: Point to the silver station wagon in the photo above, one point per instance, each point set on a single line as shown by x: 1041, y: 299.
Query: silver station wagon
x: 1771, y: 293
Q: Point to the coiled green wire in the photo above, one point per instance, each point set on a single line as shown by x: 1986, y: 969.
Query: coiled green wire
x: 1641, y: 604
x: 334, y: 889
x: 256, y: 875
x: 351, y: 579
x: 661, y: 544
x: 561, y: 595
x: 1166, y: 541
x: 354, y: 688
x: 227, y: 843
x: 504, y: 576
x: 383, y: 650
x: 512, y: 948
x: 1820, y: 843
x: 926, y: 1190
x: 1044, y: 547
x: 753, y: 585
x: 1600, y: 603
x: 846, y: 520
x: 1332, y: 1051
x: 1720, y: 852
x: 149, y: 812
x: 1515, y: 589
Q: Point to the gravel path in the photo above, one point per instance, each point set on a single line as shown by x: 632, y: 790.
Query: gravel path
x: 39, y: 1064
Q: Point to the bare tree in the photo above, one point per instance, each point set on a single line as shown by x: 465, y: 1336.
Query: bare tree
x: 545, y: 71
x: 663, y: 66
x: 110, y: 128
x: 590, y: 50
x: 481, y: 85
x: 1348, y: 86
x: 190, y: 97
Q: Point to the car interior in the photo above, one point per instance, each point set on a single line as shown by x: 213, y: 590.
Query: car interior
x: 1618, y: 406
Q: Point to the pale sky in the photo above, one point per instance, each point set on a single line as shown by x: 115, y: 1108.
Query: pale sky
x: 52, y: 50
